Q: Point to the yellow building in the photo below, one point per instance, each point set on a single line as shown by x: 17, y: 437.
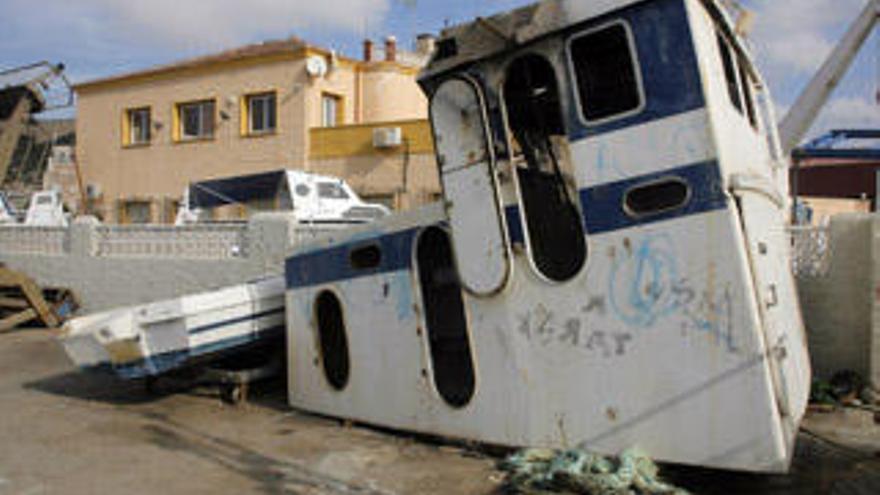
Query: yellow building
x: 143, y: 136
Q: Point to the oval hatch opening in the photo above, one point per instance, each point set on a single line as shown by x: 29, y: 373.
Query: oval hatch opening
x: 656, y: 197
x: 445, y: 318
x: 332, y: 339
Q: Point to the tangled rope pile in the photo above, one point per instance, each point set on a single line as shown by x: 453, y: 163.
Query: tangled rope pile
x: 541, y: 471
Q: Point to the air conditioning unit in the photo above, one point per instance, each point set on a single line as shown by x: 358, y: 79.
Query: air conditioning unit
x: 387, y: 137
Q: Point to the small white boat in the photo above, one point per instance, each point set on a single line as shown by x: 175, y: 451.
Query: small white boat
x: 155, y: 338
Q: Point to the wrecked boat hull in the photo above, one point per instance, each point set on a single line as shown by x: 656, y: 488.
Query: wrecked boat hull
x: 157, y: 338
x: 599, y: 277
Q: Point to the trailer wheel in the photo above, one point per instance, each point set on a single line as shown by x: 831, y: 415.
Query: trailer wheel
x: 233, y: 393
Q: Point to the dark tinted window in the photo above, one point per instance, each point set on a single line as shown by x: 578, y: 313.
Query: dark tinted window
x: 729, y: 73
x: 365, y: 257
x: 605, y: 72
x: 552, y: 219
x: 445, y: 318
x: 656, y: 197
x: 746, y: 82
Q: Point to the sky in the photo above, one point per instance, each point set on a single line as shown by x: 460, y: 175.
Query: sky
x: 96, y: 38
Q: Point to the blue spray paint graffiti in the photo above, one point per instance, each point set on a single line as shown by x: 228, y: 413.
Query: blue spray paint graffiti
x: 607, y: 164
x: 641, y: 283
x: 645, y: 287
x: 402, y: 292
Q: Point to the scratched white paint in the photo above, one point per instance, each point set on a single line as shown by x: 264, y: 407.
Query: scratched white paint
x: 131, y: 335
x: 669, y: 143
x: 469, y: 186
x: 662, y: 341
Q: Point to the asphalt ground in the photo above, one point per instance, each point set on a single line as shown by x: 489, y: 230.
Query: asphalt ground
x: 65, y: 432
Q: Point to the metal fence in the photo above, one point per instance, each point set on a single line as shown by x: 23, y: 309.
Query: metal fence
x: 811, y: 251
x: 209, y: 241
x: 19, y: 239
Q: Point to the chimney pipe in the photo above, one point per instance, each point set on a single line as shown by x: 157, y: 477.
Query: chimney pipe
x: 390, y: 49
x: 368, y: 50
x: 425, y: 44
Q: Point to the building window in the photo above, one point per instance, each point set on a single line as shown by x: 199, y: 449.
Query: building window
x: 605, y: 65
x: 137, y: 126
x: 331, y: 110
x: 195, y: 120
x: 136, y: 212
x: 261, y: 113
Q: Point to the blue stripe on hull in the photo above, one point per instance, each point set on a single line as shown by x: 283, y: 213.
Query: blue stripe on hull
x: 334, y: 263
x: 603, y: 212
x: 603, y: 205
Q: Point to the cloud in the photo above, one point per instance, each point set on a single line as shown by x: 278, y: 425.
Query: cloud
x: 195, y: 24
x: 795, y: 36
x: 228, y: 21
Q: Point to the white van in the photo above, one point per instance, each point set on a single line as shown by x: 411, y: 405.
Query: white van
x: 46, y: 209
x: 312, y: 198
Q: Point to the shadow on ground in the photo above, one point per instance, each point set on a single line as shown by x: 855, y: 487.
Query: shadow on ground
x: 98, y: 387
x: 819, y: 468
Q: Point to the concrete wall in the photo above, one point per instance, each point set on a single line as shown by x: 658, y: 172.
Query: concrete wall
x: 840, y: 306
x: 135, y: 272
x: 826, y: 208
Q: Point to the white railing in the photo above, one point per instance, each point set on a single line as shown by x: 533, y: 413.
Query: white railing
x: 20, y: 239
x: 811, y: 251
x: 208, y: 241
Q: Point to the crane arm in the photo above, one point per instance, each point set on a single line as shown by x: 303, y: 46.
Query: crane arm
x: 802, y: 114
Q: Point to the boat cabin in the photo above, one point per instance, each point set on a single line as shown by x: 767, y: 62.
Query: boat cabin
x: 609, y: 265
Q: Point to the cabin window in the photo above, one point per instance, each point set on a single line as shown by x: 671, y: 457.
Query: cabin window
x: 332, y: 339
x: 607, y: 74
x: 302, y: 190
x: 331, y: 190
x: 553, y: 222
x: 285, y: 199
x: 746, y: 82
x: 730, y: 73
x: 445, y: 319
x: 366, y: 257
x: 656, y: 197
x: 459, y: 127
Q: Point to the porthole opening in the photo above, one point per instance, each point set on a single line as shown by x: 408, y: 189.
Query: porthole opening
x: 366, y: 257
x: 657, y: 197
x: 332, y: 339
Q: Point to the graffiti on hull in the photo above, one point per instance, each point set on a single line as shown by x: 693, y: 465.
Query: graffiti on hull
x: 646, y: 289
